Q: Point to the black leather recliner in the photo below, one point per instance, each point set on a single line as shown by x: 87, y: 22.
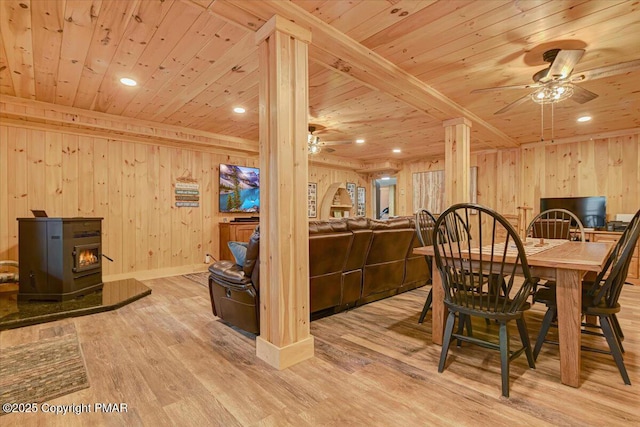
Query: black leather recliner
x: 234, y: 289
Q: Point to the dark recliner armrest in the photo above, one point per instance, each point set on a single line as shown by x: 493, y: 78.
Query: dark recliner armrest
x: 229, y: 273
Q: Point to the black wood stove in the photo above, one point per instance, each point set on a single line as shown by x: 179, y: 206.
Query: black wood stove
x: 60, y: 258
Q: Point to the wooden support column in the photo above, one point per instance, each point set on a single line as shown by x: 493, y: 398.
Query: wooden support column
x: 285, y: 337
x: 457, y: 139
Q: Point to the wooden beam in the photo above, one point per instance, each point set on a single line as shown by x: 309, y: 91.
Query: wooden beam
x: 389, y: 167
x: 339, y: 52
x: 285, y: 338
x: 27, y: 113
x: 457, y: 160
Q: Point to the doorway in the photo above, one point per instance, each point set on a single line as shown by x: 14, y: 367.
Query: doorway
x: 385, y: 197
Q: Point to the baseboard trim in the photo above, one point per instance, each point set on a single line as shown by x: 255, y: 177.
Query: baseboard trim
x: 284, y: 357
x: 157, y: 273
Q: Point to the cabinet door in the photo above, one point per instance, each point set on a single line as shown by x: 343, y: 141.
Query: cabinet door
x: 232, y: 232
x: 244, y: 232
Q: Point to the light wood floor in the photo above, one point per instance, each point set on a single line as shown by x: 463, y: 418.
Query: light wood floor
x: 173, y: 363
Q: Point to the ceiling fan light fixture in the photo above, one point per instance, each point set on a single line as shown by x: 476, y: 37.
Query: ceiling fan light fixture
x: 551, y: 93
x: 313, y: 142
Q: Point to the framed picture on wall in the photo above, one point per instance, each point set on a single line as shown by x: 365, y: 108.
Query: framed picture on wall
x: 351, y: 189
x: 312, y: 210
x: 360, y: 209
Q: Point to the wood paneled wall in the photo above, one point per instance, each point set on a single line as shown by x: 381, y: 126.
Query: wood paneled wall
x: 325, y: 176
x: 130, y: 185
x: 115, y: 171
x: 593, y: 167
x: 605, y: 166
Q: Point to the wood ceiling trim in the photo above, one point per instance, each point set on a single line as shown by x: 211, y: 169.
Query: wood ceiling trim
x: 333, y: 49
x: 117, y: 124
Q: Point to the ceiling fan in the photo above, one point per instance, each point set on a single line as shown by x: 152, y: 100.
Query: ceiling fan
x: 326, y: 144
x: 558, y: 82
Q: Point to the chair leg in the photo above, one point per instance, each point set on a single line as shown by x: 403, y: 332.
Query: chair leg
x: 615, y: 334
x: 524, y: 337
x: 617, y: 327
x: 462, y: 321
x: 427, y: 306
x: 448, y: 331
x: 504, y: 358
x: 546, y: 324
x: 605, y: 322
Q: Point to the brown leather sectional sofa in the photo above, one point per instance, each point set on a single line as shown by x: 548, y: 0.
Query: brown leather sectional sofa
x: 352, y: 261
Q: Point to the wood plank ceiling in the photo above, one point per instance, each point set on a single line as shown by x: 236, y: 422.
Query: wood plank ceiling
x: 194, y: 60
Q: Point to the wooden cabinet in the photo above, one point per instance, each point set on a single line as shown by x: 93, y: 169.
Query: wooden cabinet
x: 613, y: 236
x: 336, y: 202
x: 234, y: 232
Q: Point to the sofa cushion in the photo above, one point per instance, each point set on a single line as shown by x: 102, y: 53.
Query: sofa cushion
x: 333, y: 226
x: 392, y: 224
x: 357, y: 223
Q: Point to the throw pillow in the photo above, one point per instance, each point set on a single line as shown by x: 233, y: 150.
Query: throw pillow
x: 239, y: 251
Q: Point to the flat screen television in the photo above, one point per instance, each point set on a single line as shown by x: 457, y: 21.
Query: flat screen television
x: 239, y: 189
x: 592, y: 211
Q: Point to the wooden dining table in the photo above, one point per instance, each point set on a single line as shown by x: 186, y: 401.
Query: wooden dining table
x: 566, y: 263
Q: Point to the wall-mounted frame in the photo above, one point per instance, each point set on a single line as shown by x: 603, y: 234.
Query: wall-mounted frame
x: 351, y: 189
x: 312, y: 209
x: 428, y: 190
x: 360, y: 210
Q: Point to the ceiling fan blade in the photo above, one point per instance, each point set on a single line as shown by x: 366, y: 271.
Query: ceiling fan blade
x: 327, y: 143
x: 563, y: 64
x: 582, y: 95
x: 491, y: 89
x: 607, y: 71
x: 514, y: 104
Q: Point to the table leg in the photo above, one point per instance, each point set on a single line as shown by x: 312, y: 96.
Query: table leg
x: 569, y: 299
x: 438, y: 310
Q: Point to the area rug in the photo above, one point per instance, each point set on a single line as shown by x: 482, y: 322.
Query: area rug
x: 40, y: 371
x: 199, y: 278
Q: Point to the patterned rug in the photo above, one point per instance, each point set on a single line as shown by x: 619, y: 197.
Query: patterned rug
x: 199, y: 278
x: 40, y: 371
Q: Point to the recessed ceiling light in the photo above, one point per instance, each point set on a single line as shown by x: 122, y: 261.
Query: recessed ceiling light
x: 360, y: 141
x: 584, y: 118
x: 239, y: 110
x: 397, y: 150
x: 128, y: 82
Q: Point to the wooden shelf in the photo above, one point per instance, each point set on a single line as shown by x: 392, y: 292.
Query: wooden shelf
x: 336, y: 202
